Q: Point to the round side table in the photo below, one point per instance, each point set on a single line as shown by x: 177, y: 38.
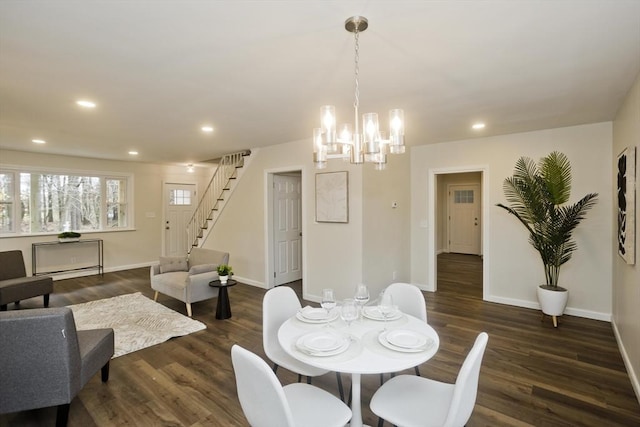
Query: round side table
x: 223, y: 310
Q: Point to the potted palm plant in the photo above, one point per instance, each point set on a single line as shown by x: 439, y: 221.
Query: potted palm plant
x: 538, y: 196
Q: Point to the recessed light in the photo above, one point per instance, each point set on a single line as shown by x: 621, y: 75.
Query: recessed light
x: 207, y: 128
x: 190, y: 168
x: 86, y: 104
x: 39, y: 141
x: 478, y: 126
x: 133, y: 153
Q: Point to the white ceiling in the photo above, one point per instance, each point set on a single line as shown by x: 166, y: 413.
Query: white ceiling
x: 258, y: 71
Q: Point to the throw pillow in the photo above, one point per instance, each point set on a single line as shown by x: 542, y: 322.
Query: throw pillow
x: 202, y: 268
x: 173, y: 263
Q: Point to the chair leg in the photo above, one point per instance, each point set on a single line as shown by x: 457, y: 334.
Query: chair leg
x: 155, y: 297
x: 105, y: 373
x: 275, y: 368
x: 46, y: 300
x: 308, y: 380
x: 189, y: 309
x: 340, y: 389
x: 299, y: 378
x: 381, y: 379
x: 3, y: 307
x: 380, y: 422
x: 62, y: 415
x: 417, y: 371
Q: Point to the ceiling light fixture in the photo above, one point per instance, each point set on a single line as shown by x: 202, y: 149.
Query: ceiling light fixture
x: 478, y: 126
x: 371, y: 146
x: 133, y: 153
x: 39, y: 141
x: 86, y: 104
x: 190, y: 168
x: 207, y: 128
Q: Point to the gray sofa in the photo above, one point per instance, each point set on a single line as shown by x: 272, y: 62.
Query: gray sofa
x: 14, y: 283
x: 188, y: 280
x: 46, y: 362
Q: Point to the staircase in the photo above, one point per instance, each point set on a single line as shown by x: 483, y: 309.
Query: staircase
x: 215, y: 197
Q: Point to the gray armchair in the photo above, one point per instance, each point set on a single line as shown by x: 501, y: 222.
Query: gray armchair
x: 46, y: 362
x: 188, y: 280
x: 14, y: 283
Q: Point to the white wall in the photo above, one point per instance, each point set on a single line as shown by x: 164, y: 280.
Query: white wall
x: 123, y: 249
x: 626, y: 278
x: 332, y: 252
x: 514, y: 267
x: 385, y: 230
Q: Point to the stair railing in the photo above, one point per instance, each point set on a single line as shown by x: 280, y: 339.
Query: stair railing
x: 213, y: 196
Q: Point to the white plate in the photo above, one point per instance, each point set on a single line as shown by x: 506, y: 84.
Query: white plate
x: 406, y: 339
x: 316, y: 315
x: 382, y: 338
x: 322, y: 343
x: 374, y: 314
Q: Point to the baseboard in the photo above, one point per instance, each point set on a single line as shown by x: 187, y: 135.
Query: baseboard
x: 251, y: 282
x: 595, y: 315
x: 627, y: 362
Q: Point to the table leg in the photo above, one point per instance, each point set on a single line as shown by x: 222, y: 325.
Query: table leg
x: 356, y: 409
x: 223, y: 309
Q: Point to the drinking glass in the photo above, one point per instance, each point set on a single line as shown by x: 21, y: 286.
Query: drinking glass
x: 385, y: 306
x: 349, y: 311
x: 361, y: 297
x: 328, y: 301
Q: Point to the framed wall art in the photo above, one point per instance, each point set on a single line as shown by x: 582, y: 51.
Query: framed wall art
x: 626, y: 193
x: 332, y: 197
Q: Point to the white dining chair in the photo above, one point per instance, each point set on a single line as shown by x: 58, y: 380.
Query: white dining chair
x: 410, y: 300
x: 278, y: 305
x: 407, y: 400
x: 266, y: 403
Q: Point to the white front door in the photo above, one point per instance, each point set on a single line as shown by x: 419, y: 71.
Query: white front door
x: 180, y: 202
x: 464, y: 219
x: 287, y: 228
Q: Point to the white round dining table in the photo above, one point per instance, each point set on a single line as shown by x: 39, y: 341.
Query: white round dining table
x: 365, y: 354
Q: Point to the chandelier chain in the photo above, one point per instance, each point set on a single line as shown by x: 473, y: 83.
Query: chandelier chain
x: 356, y: 102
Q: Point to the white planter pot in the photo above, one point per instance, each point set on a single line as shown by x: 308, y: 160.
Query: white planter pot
x: 223, y: 279
x: 553, y: 302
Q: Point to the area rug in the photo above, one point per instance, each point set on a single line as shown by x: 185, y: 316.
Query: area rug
x: 137, y: 321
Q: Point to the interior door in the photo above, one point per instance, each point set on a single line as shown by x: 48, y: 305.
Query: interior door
x: 287, y: 228
x: 464, y: 219
x: 180, y: 202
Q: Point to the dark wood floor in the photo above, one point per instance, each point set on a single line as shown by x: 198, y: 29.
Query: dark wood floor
x: 532, y: 374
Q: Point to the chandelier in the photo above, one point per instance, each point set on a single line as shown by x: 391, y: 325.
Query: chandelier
x: 346, y: 142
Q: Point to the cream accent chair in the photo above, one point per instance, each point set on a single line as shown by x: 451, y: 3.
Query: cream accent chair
x: 187, y: 279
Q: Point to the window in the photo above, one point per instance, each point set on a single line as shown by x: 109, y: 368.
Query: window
x: 55, y: 202
x: 180, y: 197
x: 6, y: 202
x: 116, y: 202
x: 463, y: 196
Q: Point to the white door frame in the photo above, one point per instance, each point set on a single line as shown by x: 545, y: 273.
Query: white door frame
x: 432, y: 188
x: 268, y: 223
